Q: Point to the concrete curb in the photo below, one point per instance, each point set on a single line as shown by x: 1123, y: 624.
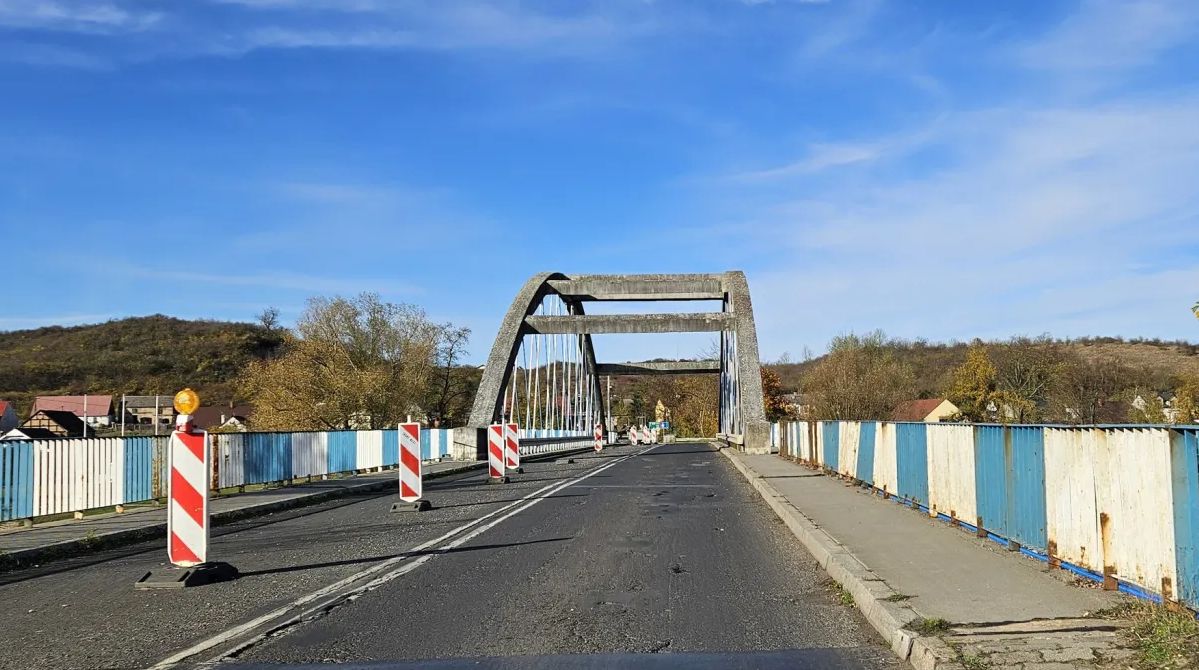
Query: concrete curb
x: 872, y: 596
x: 117, y: 538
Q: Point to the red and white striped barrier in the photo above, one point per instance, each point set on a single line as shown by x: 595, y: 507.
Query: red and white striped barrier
x: 411, y: 485
x: 599, y: 438
x: 187, y: 515
x: 495, y: 452
x: 633, y: 435
x: 512, y: 447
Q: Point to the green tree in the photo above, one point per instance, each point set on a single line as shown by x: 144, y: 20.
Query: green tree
x: 1186, y: 400
x: 859, y: 379
x: 352, y: 363
x: 772, y: 397
x: 973, y: 384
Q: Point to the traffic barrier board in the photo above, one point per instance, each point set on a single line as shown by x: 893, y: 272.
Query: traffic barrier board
x: 187, y: 491
x: 411, y: 484
x: 495, y: 452
x: 512, y: 447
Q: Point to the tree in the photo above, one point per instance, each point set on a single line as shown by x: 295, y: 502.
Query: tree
x: 453, y: 385
x: 1025, y: 369
x: 269, y: 318
x: 1186, y: 400
x: 859, y: 379
x: 1144, y: 405
x: 776, y: 407
x: 352, y: 363
x: 1087, y: 391
x: 973, y: 384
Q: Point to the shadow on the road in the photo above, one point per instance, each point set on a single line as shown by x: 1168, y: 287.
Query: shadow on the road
x: 406, y: 554
x: 156, y: 544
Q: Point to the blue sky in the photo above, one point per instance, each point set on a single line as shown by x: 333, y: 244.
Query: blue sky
x: 935, y: 169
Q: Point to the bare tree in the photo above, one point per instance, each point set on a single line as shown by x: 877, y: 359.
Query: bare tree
x: 269, y: 318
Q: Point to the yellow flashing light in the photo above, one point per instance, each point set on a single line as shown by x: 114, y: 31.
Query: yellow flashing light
x: 187, y: 402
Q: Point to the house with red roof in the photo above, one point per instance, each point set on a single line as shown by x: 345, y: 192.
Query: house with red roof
x: 8, y: 416
x: 927, y: 410
x: 96, y: 410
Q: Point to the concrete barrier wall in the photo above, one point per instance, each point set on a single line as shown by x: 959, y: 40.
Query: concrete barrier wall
x: 1114, y: 502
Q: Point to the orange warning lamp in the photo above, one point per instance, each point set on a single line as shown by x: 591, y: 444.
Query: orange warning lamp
x: 187, y: 401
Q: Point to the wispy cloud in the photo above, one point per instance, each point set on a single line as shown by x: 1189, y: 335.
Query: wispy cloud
x: 1107, y: 35
x: 74, y: 16
x: 24, y: 322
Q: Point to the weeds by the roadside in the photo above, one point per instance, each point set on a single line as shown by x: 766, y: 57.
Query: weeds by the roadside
x: 927, y: 626
x: 1164, y: 639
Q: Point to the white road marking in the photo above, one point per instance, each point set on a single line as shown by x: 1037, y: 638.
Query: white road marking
x: 231, y: 634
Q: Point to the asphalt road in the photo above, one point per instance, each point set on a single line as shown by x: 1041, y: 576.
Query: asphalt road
x: 665, y: 558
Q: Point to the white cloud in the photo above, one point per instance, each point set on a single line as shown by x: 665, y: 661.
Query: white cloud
x: 1106, y: 35
x: 74, y: 16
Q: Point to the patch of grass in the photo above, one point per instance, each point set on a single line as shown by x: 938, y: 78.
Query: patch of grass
x: 975, y: 662
x: 897, y: 598
x: 843, y: 596
x: 89, y: 539
x: 927, y: 626
x: 1163, y: 638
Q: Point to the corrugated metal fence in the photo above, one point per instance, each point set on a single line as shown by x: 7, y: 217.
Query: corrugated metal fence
x: 1118, y: 504
x: 45, y: 477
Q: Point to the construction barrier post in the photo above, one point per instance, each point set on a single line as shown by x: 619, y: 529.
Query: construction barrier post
x: 411, y: 477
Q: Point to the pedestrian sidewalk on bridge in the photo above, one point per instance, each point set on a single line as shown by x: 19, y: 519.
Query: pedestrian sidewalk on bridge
x: 941, y: 597
x: 22, y: 546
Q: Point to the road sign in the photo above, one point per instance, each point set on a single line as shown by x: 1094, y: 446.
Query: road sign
x: 665, y: 425
x: 411, y: 484
x: 512, y: 446
x: 187, y: 490
x: 599, y: 438
x: 495, y: 452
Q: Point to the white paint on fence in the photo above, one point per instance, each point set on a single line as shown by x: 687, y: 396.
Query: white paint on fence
x: 77, y: 474
x: 885, y: 472
x: 369, y: 444
x: 951, y: 471
x: 847, y: 450
x: 309, y: 454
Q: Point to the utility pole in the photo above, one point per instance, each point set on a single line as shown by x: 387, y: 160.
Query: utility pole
x: 85, y: 414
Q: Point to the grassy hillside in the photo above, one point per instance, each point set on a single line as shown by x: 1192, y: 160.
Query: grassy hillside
x: 141, y: 355
x: 1160, y: 362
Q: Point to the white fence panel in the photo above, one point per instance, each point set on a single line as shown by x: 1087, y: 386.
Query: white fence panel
x: 951, y: 471
x: 1072, y: 519
x: 231, y: 459
x: 310, y: 454
x: 369, y: 445
x: 1134, y: 495
x: 77, y: 474
x: 885, y: 464
x: 847, y: 449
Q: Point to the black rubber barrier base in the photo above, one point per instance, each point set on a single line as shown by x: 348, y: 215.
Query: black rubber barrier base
x: 180, y: 578
x: 497, y: 480
x: 415, y: 506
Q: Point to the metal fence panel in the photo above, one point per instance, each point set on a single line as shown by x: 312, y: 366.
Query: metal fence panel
x: 369, y: 451
x: 139, y: 469
x: 231, y: 459
x: 268, y: 457
x: 911, y: 469
x: 829, y: 443
x: 391, y: 447
x: 1135, y: 504
x: 16, y: 480
x: 1184, y: 445
x: 864, y: 468
x: 951, y: 471
x: 1010, y: 482
x: 342, y: 451
x: 309, y: 454
x: 1072, y: 521
x: 884, y: 473
x: 847, y: 448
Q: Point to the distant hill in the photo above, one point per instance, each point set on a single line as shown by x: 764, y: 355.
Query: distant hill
x: 1160, y: 361
x: 140, y: 355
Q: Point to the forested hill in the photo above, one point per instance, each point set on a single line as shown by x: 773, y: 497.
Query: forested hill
x: 140, y: 355
x: 1155, y: 363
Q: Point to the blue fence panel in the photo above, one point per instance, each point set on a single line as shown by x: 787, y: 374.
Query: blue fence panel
x: 16, y: 479
x: 426, y: 445
x: 866, y: 451
x: 267, y: 457
x: 832, y: 443
x: 343, y: 451
x: 1184, y: 461
x: 391, y: 447
x: 1009, y: 482
x: 911, y: 456
x: 139, y: 469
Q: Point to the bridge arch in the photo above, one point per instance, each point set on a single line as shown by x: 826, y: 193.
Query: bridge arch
x: 551, y: 305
